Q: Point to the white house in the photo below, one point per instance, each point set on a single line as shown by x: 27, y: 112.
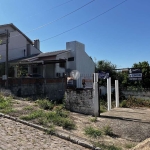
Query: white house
x: 19, y: 45
x: 58, y: 63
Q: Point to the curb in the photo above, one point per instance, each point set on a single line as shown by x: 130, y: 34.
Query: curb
x: 58, y: 133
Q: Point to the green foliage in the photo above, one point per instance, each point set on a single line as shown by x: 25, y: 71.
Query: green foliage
x: 93, y: 119
x: 92, y: 132
x: 33, y: 115
x: 104, y: 65
x: 106, y: 147
x: 60, y: 119
x: 107, y: 130
x: 45, y: 104
x: 5, y: 105
x: 28, y: 108
x: 128, y: 146
x: 135, y: 102
x: 123, y: 104
x: 51, y: 130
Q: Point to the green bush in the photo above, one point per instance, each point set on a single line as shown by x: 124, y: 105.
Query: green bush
x: 92, y: 132
x: 45, y: 104
x: 123, y: 104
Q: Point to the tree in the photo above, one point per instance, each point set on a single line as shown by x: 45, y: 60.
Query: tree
x: 145, y: 83
x: 106, y: 66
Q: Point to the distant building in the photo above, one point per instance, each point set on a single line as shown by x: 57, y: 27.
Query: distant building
x: 20, y: 46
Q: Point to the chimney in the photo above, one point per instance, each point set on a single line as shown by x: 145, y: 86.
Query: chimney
x: 37, y: 44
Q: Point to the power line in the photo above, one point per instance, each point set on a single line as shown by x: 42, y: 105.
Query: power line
x: 85, y: 21
x: 56, y: 19
x: 59, y: 5
x: 78, y: 25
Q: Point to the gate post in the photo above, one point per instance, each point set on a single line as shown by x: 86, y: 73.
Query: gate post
x: 109, y: 93
x: 96, y: 105
x: 117, y: 92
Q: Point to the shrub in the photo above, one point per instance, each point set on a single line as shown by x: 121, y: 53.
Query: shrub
x: 45, y: 104
x: 90, y: 131
x: 123, y: 104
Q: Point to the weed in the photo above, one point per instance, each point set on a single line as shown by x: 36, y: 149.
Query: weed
x: 45, y: 104
x: 106, y: 147
x: 60, y: 119
x: 128, y: 146
x: 28, y: 108
x: 51, y: 130
x: 107, y: 130
x: 94, y: 119
x: 92, y: 132
x: 33, y: 115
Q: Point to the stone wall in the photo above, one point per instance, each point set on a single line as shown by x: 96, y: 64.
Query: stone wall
x: 80, y: 101
x: 54, y: 89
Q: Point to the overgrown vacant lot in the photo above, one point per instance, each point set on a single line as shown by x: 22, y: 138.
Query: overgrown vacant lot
x: 106, y: 132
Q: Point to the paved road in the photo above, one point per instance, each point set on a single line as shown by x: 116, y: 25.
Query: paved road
x: 17, y: 136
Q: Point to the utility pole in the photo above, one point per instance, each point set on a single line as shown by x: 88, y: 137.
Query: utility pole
x: 6, y: 63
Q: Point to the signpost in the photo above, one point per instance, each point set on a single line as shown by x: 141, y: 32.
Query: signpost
x: 103, y: 75
x: 135, y: 74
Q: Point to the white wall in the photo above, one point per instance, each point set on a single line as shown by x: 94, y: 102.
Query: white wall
x: 83, y: 63
x: 34, y: 50
x: 17, y: 45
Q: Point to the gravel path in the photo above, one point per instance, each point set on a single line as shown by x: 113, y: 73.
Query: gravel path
x: 17, y: 136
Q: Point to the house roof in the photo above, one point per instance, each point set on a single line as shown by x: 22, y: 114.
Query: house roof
x: 36, y: 57
x: 14, y: 27
x: 53, y: 53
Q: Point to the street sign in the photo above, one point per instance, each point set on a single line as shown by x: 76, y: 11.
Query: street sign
x: 135, y: 74
x: 103, y: 75
x: 135, y: 79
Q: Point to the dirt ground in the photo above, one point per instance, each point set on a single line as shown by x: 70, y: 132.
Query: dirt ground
x: 130, y: 126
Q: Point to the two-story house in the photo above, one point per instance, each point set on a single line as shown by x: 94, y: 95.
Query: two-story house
x: 19, y: 45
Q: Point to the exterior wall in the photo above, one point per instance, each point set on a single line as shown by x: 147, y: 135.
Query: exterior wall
x: 16, y: 46
x: 59, y: 69
x: 34, y: 50
x: 50, y: 70
x: 80, y: 101
x: 82, y: 62
x: 54, y: 89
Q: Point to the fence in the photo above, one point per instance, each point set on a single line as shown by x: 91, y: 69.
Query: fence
x: 54, y: 88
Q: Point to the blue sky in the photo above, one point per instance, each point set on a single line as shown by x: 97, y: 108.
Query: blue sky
x: 121, y: 35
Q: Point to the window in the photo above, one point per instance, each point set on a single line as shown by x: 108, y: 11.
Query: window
x: 71, y: 59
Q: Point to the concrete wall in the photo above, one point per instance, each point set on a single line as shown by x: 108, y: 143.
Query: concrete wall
x: 54, y: 89
x: 82, y: 62
x: 137, y: 94
x: 80, y: 101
